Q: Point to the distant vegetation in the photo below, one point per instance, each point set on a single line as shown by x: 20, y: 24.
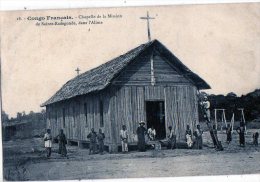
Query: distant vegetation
x: 22, y: 116
x: 23, y: 125
x: 231, y: 102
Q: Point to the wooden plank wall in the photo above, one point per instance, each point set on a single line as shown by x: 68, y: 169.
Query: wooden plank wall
x: 134, y: 88
x: 139, y: 72
x: 80, y: 129
x: 129, y: 108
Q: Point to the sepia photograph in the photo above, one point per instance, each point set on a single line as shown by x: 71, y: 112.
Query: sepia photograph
x: 130, y: 92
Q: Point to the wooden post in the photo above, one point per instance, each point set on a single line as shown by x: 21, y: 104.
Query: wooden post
x: 225, y: 120
x: 216, y: 122
x: 243, y: 118
x: 80, y: 144
x: 232, y: 122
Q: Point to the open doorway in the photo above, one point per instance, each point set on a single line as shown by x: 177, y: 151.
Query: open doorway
x: 155, y: 116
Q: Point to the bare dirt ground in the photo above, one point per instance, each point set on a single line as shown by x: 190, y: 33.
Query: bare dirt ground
x: 25, y: 160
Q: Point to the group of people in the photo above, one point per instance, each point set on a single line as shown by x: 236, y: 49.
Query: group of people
x: 241, y: 132
x: 94, y: 139
x: 171, y: 138
x: 205, y: 105
x: 193, y: 140
x: 142, y: 132
x: 62, y: 140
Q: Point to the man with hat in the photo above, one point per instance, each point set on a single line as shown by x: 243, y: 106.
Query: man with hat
x: 141, y: 131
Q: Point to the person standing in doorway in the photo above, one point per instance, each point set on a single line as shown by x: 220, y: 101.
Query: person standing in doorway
x: 48, y: 142
x: 124, y: 139
x: 93, y: 141
x: 101, y: 138
x: 141, y: 132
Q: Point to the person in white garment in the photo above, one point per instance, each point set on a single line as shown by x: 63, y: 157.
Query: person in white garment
x: 124, y: 139
x: 206, y: 107
x: 48, y: 142
x: 189, y: 137
x: 151, y: 133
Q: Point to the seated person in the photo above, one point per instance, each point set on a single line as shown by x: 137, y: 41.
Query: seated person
x: 151, y: 133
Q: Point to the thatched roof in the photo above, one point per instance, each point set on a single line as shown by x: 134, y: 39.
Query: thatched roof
x: 99, y: 78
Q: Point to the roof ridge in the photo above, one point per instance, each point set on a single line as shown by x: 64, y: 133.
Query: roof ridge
x: 92, y: 75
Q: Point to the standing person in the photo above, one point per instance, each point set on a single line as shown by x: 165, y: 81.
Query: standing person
x: 101, y: 138
x: 215, y: 135
x: 255, y: 138
x: 141, y: 131
x: 198, y: 135
x: 206, y: 108
x: 62, y: 144
x: 124, y: 139
x: 93, y: 141
x: 188, y: 135
x: 151, y: 133
x: 229, y: 133
x: 47, y: 142
x: 241, y: 131
x: 171, y: 139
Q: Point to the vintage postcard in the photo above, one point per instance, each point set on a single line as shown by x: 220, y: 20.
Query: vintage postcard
x: 137, y: 92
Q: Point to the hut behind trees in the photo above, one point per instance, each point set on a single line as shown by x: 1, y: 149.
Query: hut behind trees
x: 148, y: 83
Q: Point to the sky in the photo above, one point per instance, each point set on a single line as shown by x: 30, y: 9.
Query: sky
x: 220, y: 42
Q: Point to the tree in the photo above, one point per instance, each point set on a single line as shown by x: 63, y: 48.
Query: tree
x: 5, y: 117
x: 231, y: 94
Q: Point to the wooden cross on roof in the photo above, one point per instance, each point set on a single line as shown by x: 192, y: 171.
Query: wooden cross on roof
x: 148, y: 18
x: 77, y: 70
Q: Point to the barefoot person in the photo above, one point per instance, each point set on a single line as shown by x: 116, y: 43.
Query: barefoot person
x: 124, y: 139
x: 62, y: 144
x: 93, y: 141
x: 100, y: 138
x: 189, y: 137
x: 141, y: 132
x: 47, y: 142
